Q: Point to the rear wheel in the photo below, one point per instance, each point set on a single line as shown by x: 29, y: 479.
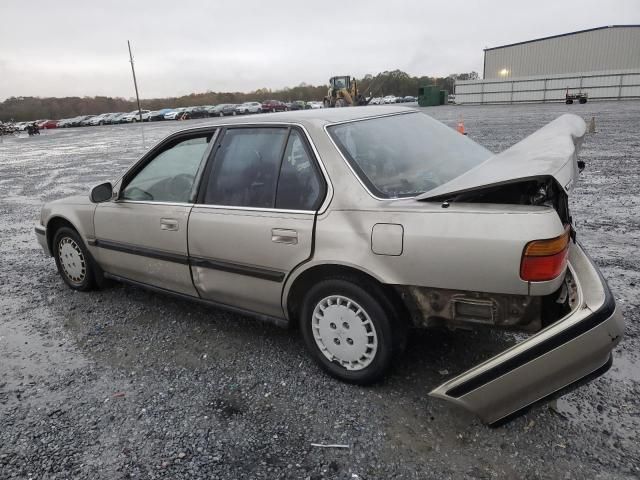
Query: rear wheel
x: 583, y: 100
x: 349, y: 330
x: 73, y: 260
x: 569, y: 101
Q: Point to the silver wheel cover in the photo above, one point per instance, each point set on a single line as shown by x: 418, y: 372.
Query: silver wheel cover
x: 72, y: 260
x: 344, y: 332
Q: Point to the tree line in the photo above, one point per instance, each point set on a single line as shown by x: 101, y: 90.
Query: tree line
x: 394, y: 82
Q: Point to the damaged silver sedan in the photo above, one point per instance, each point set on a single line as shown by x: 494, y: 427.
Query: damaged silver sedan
x: 358, y: 224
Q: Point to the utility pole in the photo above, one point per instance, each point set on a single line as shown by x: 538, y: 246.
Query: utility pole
x: 135, y: 83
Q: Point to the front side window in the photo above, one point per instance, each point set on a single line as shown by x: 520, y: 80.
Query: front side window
x: 169, y: 176
x: 245, y: 169
x: 405, y: 155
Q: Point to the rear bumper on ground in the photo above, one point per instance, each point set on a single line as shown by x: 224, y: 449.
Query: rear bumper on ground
x: 571, y: 350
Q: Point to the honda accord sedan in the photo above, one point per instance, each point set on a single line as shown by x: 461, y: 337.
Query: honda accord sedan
x: 359, y: 224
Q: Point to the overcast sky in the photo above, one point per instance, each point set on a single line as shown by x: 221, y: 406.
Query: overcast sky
x: 79, y: 47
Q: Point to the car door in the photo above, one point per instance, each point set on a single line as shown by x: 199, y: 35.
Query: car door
x: 254, y: 219
x: 142, y: 235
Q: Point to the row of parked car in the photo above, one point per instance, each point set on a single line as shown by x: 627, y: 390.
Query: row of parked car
x: 392, y: 99
x: 182, y: 113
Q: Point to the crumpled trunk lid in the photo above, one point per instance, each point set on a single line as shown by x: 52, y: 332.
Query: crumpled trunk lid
x: 548, y: 152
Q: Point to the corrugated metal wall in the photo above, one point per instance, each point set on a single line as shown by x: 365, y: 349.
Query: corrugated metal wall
x: 605, y: 49
x: 619, y: 85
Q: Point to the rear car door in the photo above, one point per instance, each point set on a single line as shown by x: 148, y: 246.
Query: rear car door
x: 142, y: 235
x: 255, y: 215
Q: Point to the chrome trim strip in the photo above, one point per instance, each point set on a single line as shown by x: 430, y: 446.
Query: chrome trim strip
x: 147, y: 202
x: 142, y: 251
x: 238, y: 269
x: 412, y: 111
x: 409, y: 110
x: 253, y: 209
x: 40, y: 230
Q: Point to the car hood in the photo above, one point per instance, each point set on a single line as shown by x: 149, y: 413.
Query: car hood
x: 548, y: 152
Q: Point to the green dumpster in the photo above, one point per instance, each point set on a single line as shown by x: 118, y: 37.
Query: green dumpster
x: 428, y: 96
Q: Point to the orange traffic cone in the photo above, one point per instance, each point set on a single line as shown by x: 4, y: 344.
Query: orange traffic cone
x: 460, y: 127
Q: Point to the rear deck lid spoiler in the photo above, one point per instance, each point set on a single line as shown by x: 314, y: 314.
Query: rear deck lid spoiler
x: 548, y: 152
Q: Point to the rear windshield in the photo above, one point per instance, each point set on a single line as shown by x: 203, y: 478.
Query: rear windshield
x: 405, y: 155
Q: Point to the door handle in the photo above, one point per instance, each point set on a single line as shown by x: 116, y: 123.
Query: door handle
x: 170, y: 224
x: 282, y: 235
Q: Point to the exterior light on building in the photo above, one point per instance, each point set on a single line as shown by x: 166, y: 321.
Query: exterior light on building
x: 504, y: 72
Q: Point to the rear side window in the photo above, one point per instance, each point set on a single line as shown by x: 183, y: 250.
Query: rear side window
x: 264, y: 167
x: 299, y: 187
x: 245, y: 170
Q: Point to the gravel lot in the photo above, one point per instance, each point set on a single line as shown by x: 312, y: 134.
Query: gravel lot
x: 123, y: 383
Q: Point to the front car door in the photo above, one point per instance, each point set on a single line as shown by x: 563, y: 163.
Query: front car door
x: 255, y: 215
x: 141, y: 235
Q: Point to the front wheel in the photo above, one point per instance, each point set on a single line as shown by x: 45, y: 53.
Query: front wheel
x: 350, y: 331
x: 72, y: 260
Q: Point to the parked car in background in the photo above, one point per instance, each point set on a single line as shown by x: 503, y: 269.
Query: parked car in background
x: 47, y: 124
x: 190, y: 113
x: 389, y: 99
x: 99, y: 119
x: 409, y: 98
x: 87, y: 121
x: 75, y: 121
x: 273, y: 106
x: 315, y: 104
x: 249, y: 107
x: 393, y: 221
x: 114, y: 118
x: 173, y: 114
x: 223, y: 110
x: 299, y: 105
x: 134, y: 116
x: 158, y: 115
x: 66, y: 122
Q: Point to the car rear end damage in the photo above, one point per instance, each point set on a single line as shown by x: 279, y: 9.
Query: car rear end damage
x: 562, y: 354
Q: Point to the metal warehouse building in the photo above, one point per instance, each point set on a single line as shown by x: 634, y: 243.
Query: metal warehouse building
x: 602, y: 62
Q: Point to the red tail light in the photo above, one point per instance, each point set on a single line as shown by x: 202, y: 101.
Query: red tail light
x: 545, y: 259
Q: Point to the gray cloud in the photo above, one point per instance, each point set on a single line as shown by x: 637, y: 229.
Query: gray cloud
x: 79, y: 48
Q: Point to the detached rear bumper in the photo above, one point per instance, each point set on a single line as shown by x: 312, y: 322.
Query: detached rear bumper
x: 574, y: 349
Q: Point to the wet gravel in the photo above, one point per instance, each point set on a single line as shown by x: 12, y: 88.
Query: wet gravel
x: 123, y: 383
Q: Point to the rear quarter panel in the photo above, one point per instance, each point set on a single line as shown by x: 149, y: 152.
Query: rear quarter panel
x: 476, y: 248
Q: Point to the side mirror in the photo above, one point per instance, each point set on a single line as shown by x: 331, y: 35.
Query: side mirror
x: 101, y: 193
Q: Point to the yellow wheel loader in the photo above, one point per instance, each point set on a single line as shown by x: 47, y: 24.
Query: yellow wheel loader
x: 343, y: 92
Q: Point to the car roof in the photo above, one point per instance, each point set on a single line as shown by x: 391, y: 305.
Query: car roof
x: 318, y: 117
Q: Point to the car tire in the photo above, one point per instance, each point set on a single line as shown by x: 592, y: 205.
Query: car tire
x: 74, y: 262
x: 351, y: 329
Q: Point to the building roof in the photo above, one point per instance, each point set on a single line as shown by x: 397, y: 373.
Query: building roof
x: 561, y: 35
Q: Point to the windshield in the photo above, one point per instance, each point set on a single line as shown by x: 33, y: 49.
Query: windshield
x: 405, y: 155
